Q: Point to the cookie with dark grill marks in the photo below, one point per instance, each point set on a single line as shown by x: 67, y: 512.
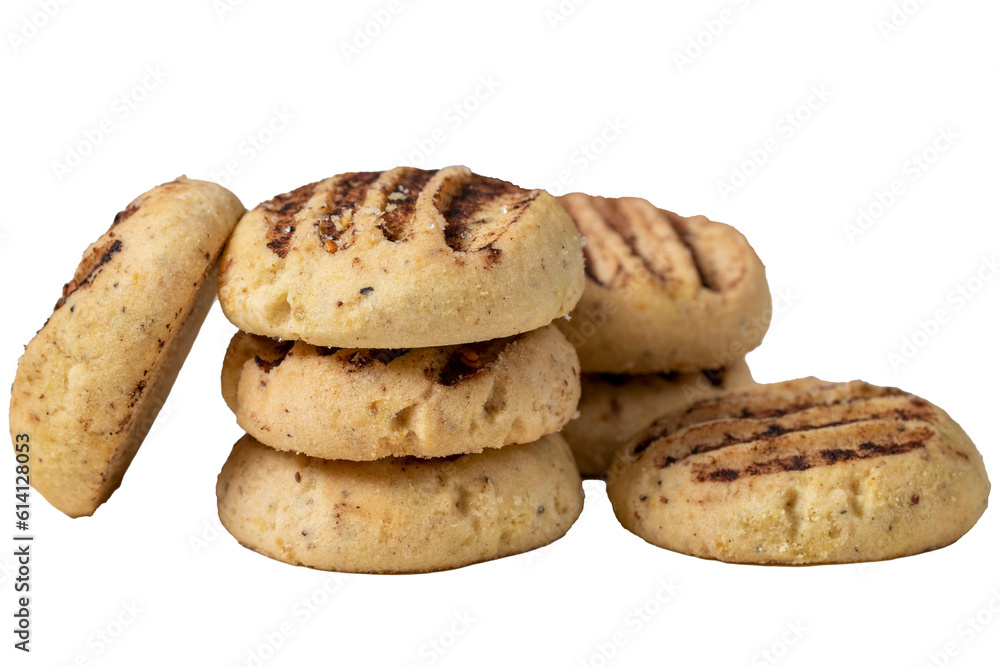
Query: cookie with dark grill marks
x: 402, y: 258
x: 613, y: 408
x: 361, y: 405
x: 664, y: 293
x: 801, y: 472
x: 95, y: 376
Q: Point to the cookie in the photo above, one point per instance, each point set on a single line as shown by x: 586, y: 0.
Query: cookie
x: 402, y: 258
x: 93, y: 379
x: 361, y: 405
x: 663, y: 293
x: 801, y: 472
x: 399, y: 515
x: 613, y: 408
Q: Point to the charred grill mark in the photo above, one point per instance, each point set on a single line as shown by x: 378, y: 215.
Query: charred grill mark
x: 281, y: 350
x: 124, y: 215
x: 478, y: 211
x: 397, y: 219
x: 345, y: 197
x: 614, y: 379
x: 281, y: 212
x: 716, y: 376
x: 136, y: 393
x: 685, y: 234
x: 826, y: 457
x: 491, y: 254
x: 775, y: 430
x: 88, y: 269
x: 464, y: 361
x: 350, y: 191
x: 764, y: 406
x: 363, y: 358
x: 619, y: 221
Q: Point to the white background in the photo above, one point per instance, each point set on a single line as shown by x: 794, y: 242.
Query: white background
x: 675, y: 130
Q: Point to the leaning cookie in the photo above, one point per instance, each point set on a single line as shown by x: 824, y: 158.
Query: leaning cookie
x: 399, y: 515
x: 93, y: 379
x: 613, y: 408
x: 402, y: 258
x: 801, y: 472
x: 361, y: 405
x: 663, y: 293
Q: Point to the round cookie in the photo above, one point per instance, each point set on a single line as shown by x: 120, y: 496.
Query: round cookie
x: 361, y: 405
x: 95, y: 376
x: 402, y: 258
x: 613, y: 408
x: 801, y: 472
x: 663, y: 293
x: 399, y: 515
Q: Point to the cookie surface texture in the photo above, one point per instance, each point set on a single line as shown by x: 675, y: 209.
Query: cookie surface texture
x: 399, y: 515
x: 402, y: 258
x: 95, y: 376
x: 802, y: 472
x: 613, y: 408
x: 664, y: 293
x: 361, y: 405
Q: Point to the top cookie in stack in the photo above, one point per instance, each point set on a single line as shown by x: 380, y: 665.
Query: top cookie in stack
x: 395, y: 326
x: 671, y: 307
x: 402, y: 258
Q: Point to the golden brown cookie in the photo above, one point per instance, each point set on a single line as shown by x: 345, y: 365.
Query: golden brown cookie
x: 402, y: 258
x: 801, y: 472
x: 399, y: 515
x: 93, y: 379
x: 663, y: 293
x: 361, y: 405
x: 613, y: 408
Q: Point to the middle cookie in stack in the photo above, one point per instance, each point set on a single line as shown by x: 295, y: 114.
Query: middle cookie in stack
x: 398, y: 374
x: 671, y: 307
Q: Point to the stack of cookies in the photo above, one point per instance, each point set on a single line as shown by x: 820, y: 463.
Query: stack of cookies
x: 398, y: 374
x: 671, y: 307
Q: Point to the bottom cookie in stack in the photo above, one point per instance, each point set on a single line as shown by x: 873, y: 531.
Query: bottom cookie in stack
x: 399, y: 514
x: 613, y: 408
x: 398, y: 461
